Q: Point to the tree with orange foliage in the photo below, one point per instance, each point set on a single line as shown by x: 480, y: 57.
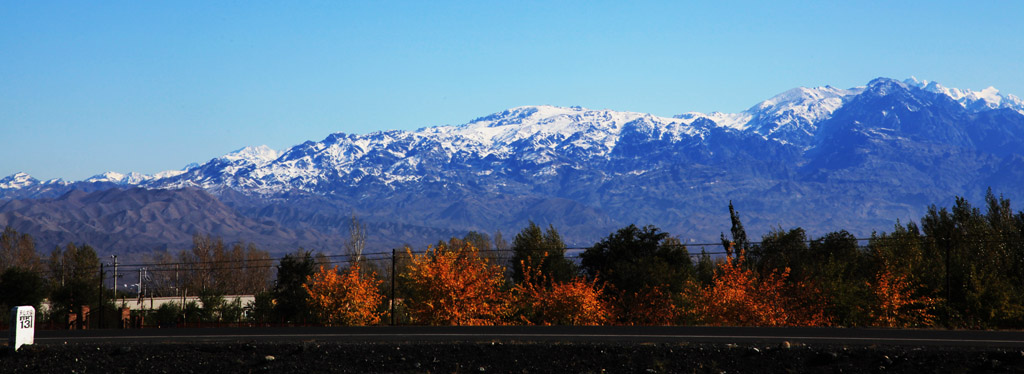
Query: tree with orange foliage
x: 739, y: 297
x: 896, y: 305
x: 545, y: 302
x: 455, y: 286
x: 652, y: 306
x: 344, y: 298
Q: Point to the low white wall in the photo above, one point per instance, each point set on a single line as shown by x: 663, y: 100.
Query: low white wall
x: 153, y: 303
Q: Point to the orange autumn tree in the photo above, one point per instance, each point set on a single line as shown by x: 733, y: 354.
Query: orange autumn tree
x: 455, y: 286
x: 653, y: 307
x: 542, y: 301
x: 737, y: 296
x: 344, y: 298
x: 896, y: 305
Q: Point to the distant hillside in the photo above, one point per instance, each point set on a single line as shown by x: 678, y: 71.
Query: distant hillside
x: 822, y: 158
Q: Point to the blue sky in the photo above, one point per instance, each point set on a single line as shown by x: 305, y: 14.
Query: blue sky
x: 89, y: 87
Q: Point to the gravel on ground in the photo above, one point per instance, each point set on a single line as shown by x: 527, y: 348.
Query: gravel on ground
x: 502, y: 357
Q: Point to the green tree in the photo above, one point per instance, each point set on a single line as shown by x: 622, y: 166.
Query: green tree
x: 843, y: 273
x: 780, y: 250
x: 967, y: 261
x: 705, y: 269
x: 633, y: 259
x: 980, y: 261
x: 167, y: 314
x: 292, y: 299
x: 479, y: 240
x: 212, y: 303
x: 483, y: 243
x: 641, y: 266
x: 231, y: 311
x: 262, y: 307
x: 19, y: 286
x: 74, y: 278
x: 20, y: 281
x: 544, y: 251
x: 739, y: 235
x: 192, y: 312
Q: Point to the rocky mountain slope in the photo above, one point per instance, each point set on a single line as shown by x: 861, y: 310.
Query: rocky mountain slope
x: 821, y: 158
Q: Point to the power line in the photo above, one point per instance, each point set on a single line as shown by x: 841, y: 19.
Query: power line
x: 271, y: 262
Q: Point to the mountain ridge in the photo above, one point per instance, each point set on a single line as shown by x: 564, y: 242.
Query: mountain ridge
x: 822, y: 102
x: 822, y: 158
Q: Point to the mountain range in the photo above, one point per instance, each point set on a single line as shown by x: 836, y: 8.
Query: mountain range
x: 822, y: 158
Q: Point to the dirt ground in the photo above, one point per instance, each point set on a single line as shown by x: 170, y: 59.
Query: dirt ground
x: 498, y: 357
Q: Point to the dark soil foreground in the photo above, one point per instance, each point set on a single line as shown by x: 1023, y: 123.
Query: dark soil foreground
x: 499, y: 357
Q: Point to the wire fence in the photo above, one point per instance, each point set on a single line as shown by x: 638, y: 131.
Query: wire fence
x: 501, y: 255
x: 571, y: 252
x: 170, y: 278
x: 147, y: 270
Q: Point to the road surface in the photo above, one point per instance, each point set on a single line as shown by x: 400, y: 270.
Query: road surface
x: 636, y: 334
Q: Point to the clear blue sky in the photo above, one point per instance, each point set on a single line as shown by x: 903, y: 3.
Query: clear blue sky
x: 88, y: 87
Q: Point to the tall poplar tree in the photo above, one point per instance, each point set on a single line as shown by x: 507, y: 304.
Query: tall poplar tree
x: 541, y: 250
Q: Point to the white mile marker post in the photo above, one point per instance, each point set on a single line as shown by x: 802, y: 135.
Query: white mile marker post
x: 23, y: 326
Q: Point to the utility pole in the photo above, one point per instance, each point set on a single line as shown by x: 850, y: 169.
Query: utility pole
x: 177, y: 286
x: 949, y: 286
x: 115, y: 275
x: 99, y: 322
x: 392, y: 286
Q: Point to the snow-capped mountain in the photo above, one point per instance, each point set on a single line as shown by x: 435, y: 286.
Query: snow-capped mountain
x: 540, y: 136
x: 23, y: 185
x: 17, y: 181
x: 538, y: 139
x: 790, y: 117
x: 132, y: 178
x: 823, y: 158
x: 258, y: 155
x: 986, y: 99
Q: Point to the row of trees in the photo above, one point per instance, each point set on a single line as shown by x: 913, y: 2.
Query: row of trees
x: 69, y: 277
x: 634, y: 276
x: 211, y: 267
x: 961, y: 268
x: 72, y: 277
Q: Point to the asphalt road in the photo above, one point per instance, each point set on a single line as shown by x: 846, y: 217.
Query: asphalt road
x: 638, y: 334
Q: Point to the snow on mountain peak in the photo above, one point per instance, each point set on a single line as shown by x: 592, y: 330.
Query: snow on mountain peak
x: 492, y: 134
x: 169, y: 173
x: 543, y: 136
x: 986, y: 99
x: 259, y: 155
x: 131, y: 178
x: 800, y: 96
x: 540, y: 135
x: 736, y: 121
x: 110, y: 176
x: 792, y: 116
x: 788, y: 117
x: 17, y: 181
